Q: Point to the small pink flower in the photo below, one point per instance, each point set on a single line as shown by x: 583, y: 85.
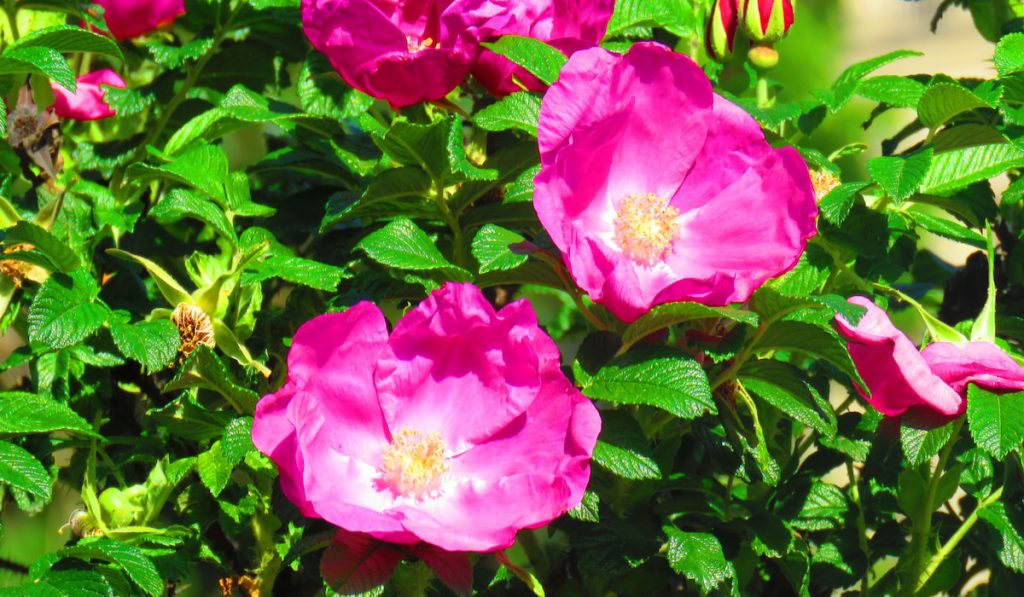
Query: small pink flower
x: 569, y: 25
x: 133, y: 18
x: 403, y: 51
x: 657, y: 190
x: 457, y: 430
x: 86, y: 103
x: 899, y: 377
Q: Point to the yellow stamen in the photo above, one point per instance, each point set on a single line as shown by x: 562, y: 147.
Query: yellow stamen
x: 645, y: 226
x: 414, y: 465
x: 423, y: 44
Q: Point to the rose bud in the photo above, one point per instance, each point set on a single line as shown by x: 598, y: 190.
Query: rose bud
x: 722, y: 26
x: 768, y: 20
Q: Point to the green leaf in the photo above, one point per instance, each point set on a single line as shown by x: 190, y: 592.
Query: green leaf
x: 22, y: 413
x: 900, y: 177
x: 297, y: 270
x: 214, y: 469
x: 237, y: 440
x: 202, y: 167
x: 823, y: 508
x: 588, y: 510
x: 186, y: 203
x: 39, y: 61
x: 922, y: 435
x: 622, y: 448
x: 663, y: 316
x: 943, y: 102
x: 675, y: 384
x: 631, y: 14
x: 539, y: 58
x: 132, y: 560
x: 491, y: 247
x: 403, y: 245
x: 395, y: 192
x: 996, y: 420
x: 154, y: 344
x: 947, y: 229
x: 781, y: 386
x: 66, y: 310
x: 70, y: 38
x: 966, y: 135
x: 1009, y: 56
x: 45, y: 242
x: 516, y: 111
x: 321, y: 94
x: 422, y: 145
x: 1011, y: 552
x: 846, y: 85
x: 837, y: 204
x: 698, y: 557
x: 953, y: 170
x: 204, y: 369
x: 892, y: 90
x: 799, y: 336
x: 20, y: 470
x: 171, y: 290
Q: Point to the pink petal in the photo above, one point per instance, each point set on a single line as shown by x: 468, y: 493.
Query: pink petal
x: 455, y: 367
x: 86, y: 103
x: 980, y: 363
x: 132, y: 18
x: 896, y: 374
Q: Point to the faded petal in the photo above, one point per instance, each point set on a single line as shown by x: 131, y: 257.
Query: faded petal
x: 896, y: 374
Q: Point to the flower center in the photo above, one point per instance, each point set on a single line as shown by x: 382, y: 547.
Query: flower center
x: 418, y: 45
x: 645, y: 226
x: 414, y: 465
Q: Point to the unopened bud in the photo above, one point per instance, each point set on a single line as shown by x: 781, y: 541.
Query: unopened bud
x: 763, y: 57
x: 722, y: 28
x: 768, y: 20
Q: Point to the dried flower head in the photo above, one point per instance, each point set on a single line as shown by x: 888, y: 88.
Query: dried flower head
x: 18, y: 271
x: 823, y: 183
x: 194, y: 327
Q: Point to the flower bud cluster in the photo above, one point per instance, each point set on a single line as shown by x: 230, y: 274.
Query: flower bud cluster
x: 763, y: 22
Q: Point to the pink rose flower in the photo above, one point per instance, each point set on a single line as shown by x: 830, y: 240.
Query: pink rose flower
x: 569, y: 25
x: 403, y: 51
x: 657, y: 190
x: 899, y: 377
x: 457, y: 430
x: 86, y: 103
x: 132, y: 18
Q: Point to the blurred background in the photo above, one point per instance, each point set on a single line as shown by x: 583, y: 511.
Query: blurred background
x: 828, y: 36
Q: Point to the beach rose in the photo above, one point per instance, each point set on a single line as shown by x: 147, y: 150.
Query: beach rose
x: 569, y: 25
x: 456, y: 430
x: 657, y: 190
x: 899, y: 376
x: 402, y: 51
x: 132, y: 18
x: 86, y: 103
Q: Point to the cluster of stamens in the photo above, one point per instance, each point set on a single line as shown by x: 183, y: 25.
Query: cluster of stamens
x: 194, y: 327
x: 420, y: 45
x: 645, y: 226
x: 414, y: 464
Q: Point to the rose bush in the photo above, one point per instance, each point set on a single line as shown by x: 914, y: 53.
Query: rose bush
x: 414, y: 297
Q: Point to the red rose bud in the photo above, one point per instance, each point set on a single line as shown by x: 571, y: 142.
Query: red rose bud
x: 768, y: 20
x: 721, y: 34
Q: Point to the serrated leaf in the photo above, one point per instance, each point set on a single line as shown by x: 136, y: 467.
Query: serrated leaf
x: 947, y: 229
x: 698, y: 557
x: 622, y: 448
x: 835, y: 206
x: 953, y: 170
x: 237, y: 440
x: 403, y: 245
x: 589, y: 508
x: 187, y: 203
x: 663, y: 316
x: 943, y: 102
x: 20, y: 469
x: 781, y: 386
x: 154, y: 344
x: 900, y: 177
x: 132, y: 560
x: 38, y: 60
x: 204, y: 369
x: 421, y: 145
x: 491, y: 247
x: 202, y: 167
x: 996, y: 421
x: 675, y: 384
x: 823, y: 508
x: 892, y: 90
x: 1011, y: 552
x: 543, y: 61
x: 214, y: 469
x: 297, y: 270
x: 45, y: 242
x: 516, y: 111
x: 22, y: 413
x: 355, y: 563
x: 922, y: 435
x: 847, y: 83
x: 69, y: 38
x: 65, y: 311
x: 811, y: 339
x: 1009, y: 56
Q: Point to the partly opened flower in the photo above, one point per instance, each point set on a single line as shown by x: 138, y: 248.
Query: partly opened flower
x: 403, y: 51
x: 87, y: 102
x: 457, y: 430
x: 131, y: 18
x: 898, y: 376
x: 569, y: 25
x: 657, y: 190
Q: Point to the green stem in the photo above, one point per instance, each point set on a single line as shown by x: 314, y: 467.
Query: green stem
x: 570, y: 287
x: 764, y: 99
x: 534, y: 552
x: 862, y: 529
x: 922, y: 528
x: 11, y: 11
x: 748, y: 350
x: 958, y: 536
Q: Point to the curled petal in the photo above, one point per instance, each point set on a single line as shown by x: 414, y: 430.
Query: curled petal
x: 87, y: 102
x: 981, y: 363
